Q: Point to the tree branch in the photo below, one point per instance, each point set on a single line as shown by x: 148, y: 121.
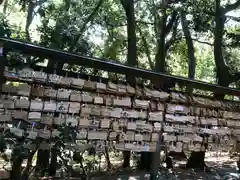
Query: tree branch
x: 209, y: 13
x: 29, y: 19
x: 234, y: 18
x: 145, y: 23
x: 5, y: 6
x: 190, y: 46
x: 89, y: 19
x: 231, y: 7
x: 115, y: 25
x: 140, y: 22
x: 235, y: 77
x: 171, y: 22
x: 145, y: 44
x: 174, y: 37
x: 202, y: 42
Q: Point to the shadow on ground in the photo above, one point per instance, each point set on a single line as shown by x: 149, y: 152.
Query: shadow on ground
x: 218, y: 171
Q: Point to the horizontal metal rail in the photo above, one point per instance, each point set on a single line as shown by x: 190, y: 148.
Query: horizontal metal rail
x: 110, y: 66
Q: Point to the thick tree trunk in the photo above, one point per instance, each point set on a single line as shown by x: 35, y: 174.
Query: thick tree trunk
x: 30, y: 15
x: 192, y: 161
x: 218, y: 41
x: 53, y: 162
x: 196, y: 160
x: 16, y: 169
x: 162, y: 30
x: 145, y: 162
x: 42, y: 164
x: 109, y: 165
x: 223, y: 75
x: 5, y: 5
x: 126, y: 159
x: 25, y: 174
x: 222, y: 70
x: 190, y: 47
x: 160, y: 65
x: 128, y: 6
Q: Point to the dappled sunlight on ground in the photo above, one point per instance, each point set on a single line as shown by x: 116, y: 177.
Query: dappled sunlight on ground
x: 220, y: 166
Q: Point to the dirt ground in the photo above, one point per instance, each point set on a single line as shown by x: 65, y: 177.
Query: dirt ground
x: 220, y: 168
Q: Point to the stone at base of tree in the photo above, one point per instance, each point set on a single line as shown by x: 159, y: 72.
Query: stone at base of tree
x: 196, y: 160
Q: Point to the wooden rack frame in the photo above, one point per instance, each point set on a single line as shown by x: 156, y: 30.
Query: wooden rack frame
x: 61, y: 57
x: 110, y: 66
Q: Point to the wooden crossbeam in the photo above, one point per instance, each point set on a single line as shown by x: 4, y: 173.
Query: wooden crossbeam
x: 110, y: 66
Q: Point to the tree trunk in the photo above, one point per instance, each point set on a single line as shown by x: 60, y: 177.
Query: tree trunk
x: 163, y: 27
x: 42, y: 164
x: 126, y: 159
x: 109, y: 165
x: 128, y: 6
x: 25, y: 174
x: 190, y: 47
x: 146, y: 161
x: 223, y: 75
x: 5, y: 5
x: 196, y: 160
x: 53, y: 162
x: 160, y: 65
x: 16, y: 169
x: 29, y: 19
x: 222, y: 70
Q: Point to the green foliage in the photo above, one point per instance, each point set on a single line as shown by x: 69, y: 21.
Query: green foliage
x: 5, y: 29
x: 3, y: 144
x: 201, y: 13
x: 234, y: 36
x: 59, y: 29
x: 67, y: 25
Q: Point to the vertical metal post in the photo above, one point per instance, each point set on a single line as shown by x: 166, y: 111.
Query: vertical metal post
x: 156, y: 154
x: 155, y: 162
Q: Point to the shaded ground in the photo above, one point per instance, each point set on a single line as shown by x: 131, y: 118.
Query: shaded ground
x: 176, y: 174
x: 221, y: 167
